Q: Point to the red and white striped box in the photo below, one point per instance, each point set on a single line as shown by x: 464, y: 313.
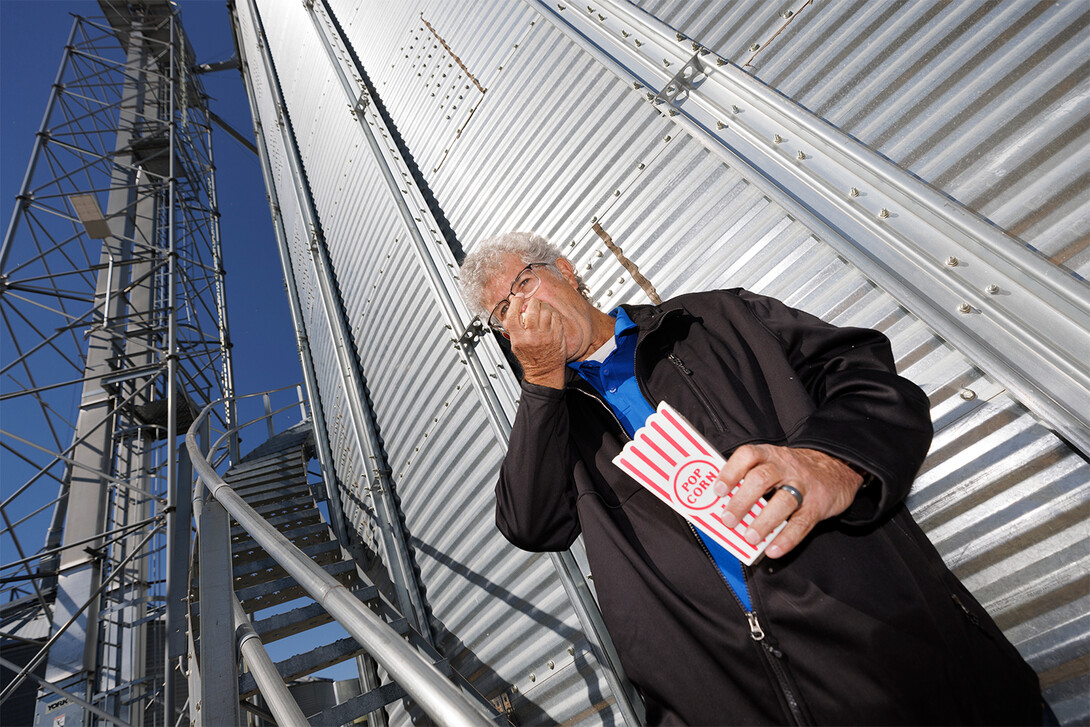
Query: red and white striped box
x: 670, y: 458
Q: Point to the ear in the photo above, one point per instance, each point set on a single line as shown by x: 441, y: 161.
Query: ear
x: 567, y: 271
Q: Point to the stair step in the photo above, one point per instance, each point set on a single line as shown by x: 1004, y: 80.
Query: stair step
x: 283, y: 508
x: 360, y: 705
x: 251, y: 552
x: 266, y: 567
x: 302, y: 664
x: 296, y: 535
x: 297, y: 437
x: 252, y: 489
x: 278, y: 494
x: 298, y: 517
x: 281, y: 590
x: 301, y: 619
x: 261, y: 464
x: 276, y: 471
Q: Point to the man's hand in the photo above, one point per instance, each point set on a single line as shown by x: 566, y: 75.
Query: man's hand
x: 827, y: 486
x: 537, y: 340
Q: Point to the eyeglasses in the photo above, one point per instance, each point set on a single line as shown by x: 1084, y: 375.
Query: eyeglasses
x: 526, y: 283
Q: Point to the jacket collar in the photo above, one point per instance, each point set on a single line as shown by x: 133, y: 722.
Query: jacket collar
x: 648, y: 319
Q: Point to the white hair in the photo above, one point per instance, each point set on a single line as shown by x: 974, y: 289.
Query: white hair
x: 480, y: 265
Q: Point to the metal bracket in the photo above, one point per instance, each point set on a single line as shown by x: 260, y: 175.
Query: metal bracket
x: 683, y: 81
x: 361, y: 103
x: 471, y: 334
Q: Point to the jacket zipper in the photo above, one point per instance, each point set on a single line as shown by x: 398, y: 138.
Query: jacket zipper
x: 757, y: 633
x: 608, y: 409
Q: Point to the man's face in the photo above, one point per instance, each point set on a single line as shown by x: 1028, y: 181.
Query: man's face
x: 558, y: 290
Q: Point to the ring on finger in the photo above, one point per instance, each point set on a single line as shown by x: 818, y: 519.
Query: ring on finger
x: 793, y: 492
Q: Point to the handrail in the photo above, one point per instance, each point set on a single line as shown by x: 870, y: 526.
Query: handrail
x: 281, y: 703
x: 420, y: 679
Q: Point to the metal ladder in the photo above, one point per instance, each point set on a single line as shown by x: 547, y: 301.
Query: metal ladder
x: 269, y: 490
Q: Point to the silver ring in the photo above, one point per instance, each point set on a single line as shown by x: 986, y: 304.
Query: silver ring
x: 793, y: 492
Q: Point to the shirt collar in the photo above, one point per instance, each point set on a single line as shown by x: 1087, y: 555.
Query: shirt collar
x: 624, y: 324
x: 622, y: 327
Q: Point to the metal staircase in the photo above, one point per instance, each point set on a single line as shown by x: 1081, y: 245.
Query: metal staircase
x: 269, y: 491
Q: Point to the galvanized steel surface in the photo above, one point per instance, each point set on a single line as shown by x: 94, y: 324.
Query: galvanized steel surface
x: 987, y: 101
x: 555, y: 141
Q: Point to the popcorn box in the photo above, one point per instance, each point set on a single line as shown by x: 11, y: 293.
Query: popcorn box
x: 670, y: 458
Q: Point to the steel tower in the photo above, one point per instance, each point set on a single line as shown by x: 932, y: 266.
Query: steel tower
x: 115, y: 335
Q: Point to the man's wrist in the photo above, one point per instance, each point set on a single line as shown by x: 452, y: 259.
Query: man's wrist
x: 551, y: 379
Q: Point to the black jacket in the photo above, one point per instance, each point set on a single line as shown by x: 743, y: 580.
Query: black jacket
x: 860, y: 624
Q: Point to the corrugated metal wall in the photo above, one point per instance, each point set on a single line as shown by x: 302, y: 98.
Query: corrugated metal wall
x: 512, y: 126
x: 986, y: 100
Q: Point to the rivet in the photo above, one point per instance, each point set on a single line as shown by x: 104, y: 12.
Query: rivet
x: 968, y: 394
x: 720, y: 61
x: 787, y: 14
x: 720, y: 125
x: 992, y: 289
x: 670, y: 89
x: 624, y: 33
x: 617, y: 193
x: 735, y: 109
x: 673, y: 112
x: 533, y: 677
x: 638, y: 42
x: 641, y: 165
x: 755, y: 47
x: 594, y: 219
x: 601, y: 17
x: 620, y: 280
x: 562, y: 6
x: 588, y: 266
x: 679, y: 37
x: 597, y: 253
x: 609, y: 292
x: 514, y: 689
x: 952, y: 261
x: 883, y: 213
x: 637, y: 85
x: 777, y: 138
x: 965, y: 308
x: 666, y: 138
x: 572, y: 244
x: 590, y: 9
x: 550, y: 664
x: 800, y: 156
x: 853, y: 192
x: 666, y: 62
x: 571, y: 650
x: 650, y: 96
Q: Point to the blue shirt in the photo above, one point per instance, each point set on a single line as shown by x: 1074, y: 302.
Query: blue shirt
x: 615, y: 380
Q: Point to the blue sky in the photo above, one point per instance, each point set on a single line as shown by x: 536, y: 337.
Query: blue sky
x: 32, y: 38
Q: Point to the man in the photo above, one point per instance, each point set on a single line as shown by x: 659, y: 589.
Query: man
x: 852, y: 618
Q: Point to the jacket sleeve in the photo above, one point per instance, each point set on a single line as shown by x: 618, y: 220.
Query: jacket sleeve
x: 866, y: 414
x: 535, y: 495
